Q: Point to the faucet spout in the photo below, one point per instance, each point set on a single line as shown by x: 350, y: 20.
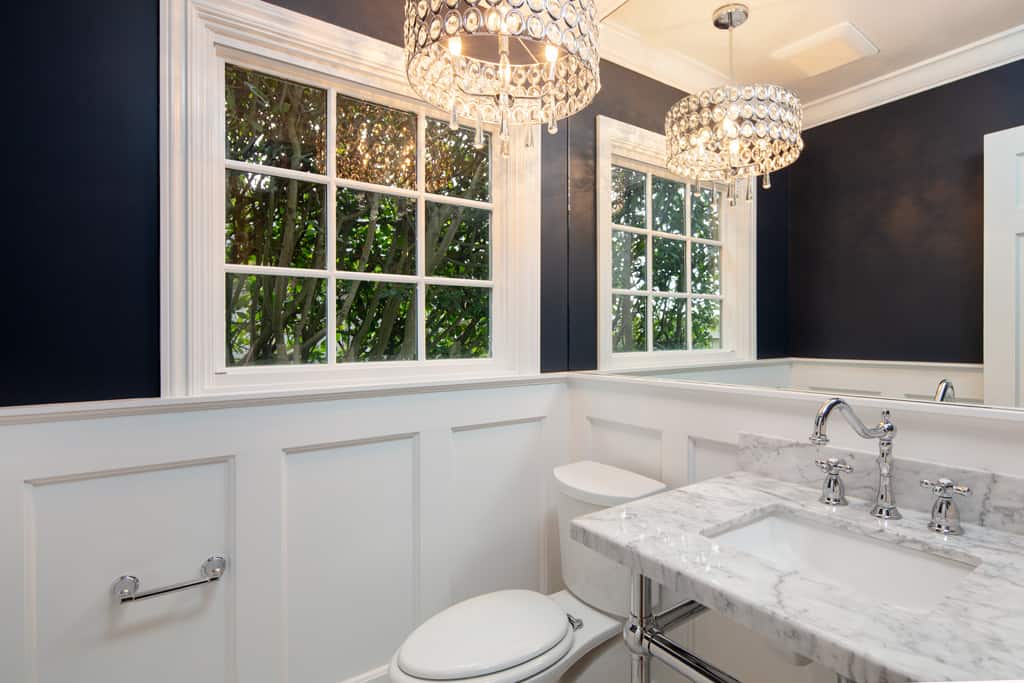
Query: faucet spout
x: 884, y: 431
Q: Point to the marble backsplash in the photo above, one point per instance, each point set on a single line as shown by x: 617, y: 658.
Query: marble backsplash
x: 997, y: 500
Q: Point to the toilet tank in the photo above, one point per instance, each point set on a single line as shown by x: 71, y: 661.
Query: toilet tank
x: 585, y: 487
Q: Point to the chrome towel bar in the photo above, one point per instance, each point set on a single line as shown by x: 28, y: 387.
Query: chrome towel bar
x: 126, y: 588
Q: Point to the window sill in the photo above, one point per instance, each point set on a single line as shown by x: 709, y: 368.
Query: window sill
x: 58, y: 412
x: 671, y: 360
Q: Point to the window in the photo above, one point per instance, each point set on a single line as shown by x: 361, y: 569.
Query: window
x: 666, y: 264
x: 323, y: 227
x: 673, y: 290
x: 342, y: 251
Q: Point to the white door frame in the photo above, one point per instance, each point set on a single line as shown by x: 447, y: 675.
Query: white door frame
x: 1004, y: 267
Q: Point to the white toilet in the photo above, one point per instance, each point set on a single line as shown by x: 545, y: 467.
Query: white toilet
x: 520, y: 635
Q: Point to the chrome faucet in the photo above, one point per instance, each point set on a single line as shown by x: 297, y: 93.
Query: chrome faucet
x: 945, y: 391
x: 885, y: 431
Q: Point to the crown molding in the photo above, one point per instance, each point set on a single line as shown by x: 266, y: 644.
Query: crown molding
x: 631, y: 51
x: 987, y: 53
x: 606, y: 8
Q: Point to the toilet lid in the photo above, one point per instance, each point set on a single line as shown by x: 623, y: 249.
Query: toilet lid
x: 482, y: 635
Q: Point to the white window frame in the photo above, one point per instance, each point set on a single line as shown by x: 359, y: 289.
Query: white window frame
x: 622, y: 144
x: 198, y: 37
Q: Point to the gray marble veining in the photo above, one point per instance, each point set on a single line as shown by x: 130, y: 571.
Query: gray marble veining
x: 974, y: 632
x: 997, y: 500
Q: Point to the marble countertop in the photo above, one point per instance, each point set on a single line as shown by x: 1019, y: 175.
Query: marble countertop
x: 975, y: 632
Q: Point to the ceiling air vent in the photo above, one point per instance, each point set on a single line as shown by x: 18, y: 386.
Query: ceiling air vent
x: 828, y: 49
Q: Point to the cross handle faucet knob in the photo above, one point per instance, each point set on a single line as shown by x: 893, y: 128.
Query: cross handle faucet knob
x: 833, y: 466
x: 945, y: 488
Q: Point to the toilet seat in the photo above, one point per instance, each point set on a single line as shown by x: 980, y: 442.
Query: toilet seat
x: 499, y: 637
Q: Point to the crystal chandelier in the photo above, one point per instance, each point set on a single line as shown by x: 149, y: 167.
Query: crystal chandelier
x: 733, y: 133
x: 503, y: 62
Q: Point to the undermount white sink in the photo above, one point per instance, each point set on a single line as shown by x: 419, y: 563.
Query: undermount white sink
x: 879, y: 570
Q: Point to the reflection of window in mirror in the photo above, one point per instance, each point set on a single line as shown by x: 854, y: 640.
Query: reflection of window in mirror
x: 675, y: 261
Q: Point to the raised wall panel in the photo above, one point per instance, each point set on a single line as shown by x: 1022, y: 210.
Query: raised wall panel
x: 351, y: 556
x: 159, y: 525
x: 710, y: 458
x: 497, y: 511
x: 628, y: 446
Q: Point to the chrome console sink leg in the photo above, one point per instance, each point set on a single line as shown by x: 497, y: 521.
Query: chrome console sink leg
x: 633, y: 631
x: 646, y: 639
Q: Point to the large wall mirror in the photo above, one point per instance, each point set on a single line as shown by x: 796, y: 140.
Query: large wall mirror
x: 890, y: 256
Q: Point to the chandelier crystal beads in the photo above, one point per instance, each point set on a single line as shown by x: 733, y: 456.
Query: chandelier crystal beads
x: 734, y: 132
x: 503, y: 62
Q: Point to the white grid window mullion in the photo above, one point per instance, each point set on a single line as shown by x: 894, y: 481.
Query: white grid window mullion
x: 687, y: 265
x: 421, y: 238
x: 650, y: 263
x: 332, y: 227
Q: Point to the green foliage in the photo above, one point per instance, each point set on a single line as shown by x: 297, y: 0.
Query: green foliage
x: 629, y: 197
x: 274, y: 122
x: 669, y: 200
x: 453, y: 166
x: 458, y: 241
x: 705, y: 269
x: 275, y: 320
x: 276, y: 221
x: 376, y: 144
x: 669, y: 265
x: 629, y: 260
x: 458, y: 322
x: 629, y: 323
x: 376, y: 233
x: 376, y: 321
x: 669, y: 323
x: 707, y: 324
x: 705, y: 214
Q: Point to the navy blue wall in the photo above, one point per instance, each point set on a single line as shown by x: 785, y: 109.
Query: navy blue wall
x: 773, y: 267
x: 81, y: 228
x: 885, y: 225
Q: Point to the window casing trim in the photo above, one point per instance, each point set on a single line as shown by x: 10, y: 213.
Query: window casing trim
x: 622, y: 144
x: 197, y: 37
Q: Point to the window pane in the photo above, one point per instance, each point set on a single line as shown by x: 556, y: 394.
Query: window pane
x: 376, y: 321
x: 376, y: 144
x: 376, y: 233
x: 274, y: 221
x: 458, y: 241
x: 706, y: 267
x: 629, y: 260
x: 669, y: 323
x: 629, y: 323
x: 669, y: 265
x: 669, y: 199
x: 275, y: 320
x: 707, y: 324
x: 706, y: 214
x: 453, y: 166
x: 274, y: 122
x: 629, y: 197
x: 458, y: 322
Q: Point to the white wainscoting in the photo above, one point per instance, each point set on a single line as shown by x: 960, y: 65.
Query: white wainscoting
x: 350, y: 520
x: 347, y: 522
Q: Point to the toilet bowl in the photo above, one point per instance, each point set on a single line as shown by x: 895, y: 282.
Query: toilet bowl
x: 520, y: 635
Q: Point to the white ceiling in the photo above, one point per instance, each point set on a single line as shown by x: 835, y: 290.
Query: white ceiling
x: 906, y: 32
